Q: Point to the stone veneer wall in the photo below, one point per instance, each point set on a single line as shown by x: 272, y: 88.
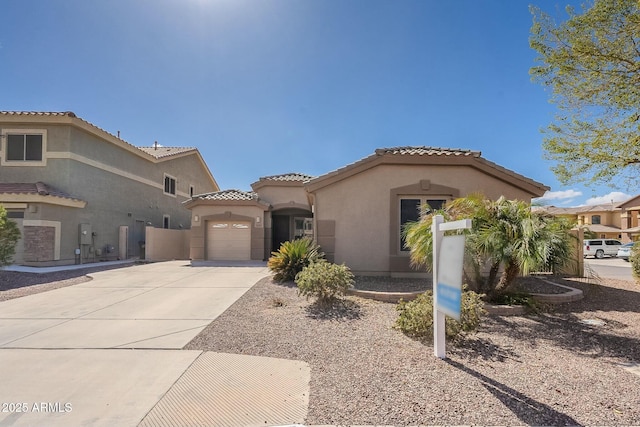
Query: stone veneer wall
x: 39, y: 243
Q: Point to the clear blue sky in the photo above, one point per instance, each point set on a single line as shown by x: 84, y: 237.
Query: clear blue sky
x: 272, y: 86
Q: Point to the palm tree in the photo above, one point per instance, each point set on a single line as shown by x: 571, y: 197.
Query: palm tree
x: 507, y: 240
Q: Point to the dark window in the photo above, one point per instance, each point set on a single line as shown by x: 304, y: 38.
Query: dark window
x: 436, y: 204
x: 169, y: 185
x: 165, y: 221
x: 23, y: 147
x: 15, y: 214
x: 595, y: 219
x: 191, y: 190
x: 409, y: 212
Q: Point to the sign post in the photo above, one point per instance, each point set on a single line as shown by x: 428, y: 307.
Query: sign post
x: 448, y: 257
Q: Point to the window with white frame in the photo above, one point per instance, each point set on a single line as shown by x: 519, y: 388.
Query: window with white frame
x: 410, y: 210
x: 24, y: 147
x: 169, y: 185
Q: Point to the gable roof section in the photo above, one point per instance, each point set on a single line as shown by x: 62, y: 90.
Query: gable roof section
x: 631, y: 203
x: 38, y: 192
x: 226, y: 197
x: 292, y: 176
x: 162, y: 152
x: 292, y: 179
x: 424, y: 155
x: 577, y: 210
x: 69, y: 118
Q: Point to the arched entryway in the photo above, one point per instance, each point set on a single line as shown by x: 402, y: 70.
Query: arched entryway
x: 290, y: 224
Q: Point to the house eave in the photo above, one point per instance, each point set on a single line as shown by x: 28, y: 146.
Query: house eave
x: 46, y: 199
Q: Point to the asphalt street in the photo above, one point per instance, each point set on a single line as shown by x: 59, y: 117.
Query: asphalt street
x: 609, y: 268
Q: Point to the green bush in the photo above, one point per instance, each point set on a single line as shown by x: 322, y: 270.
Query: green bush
x: 415, y: 317
x: 292, y: 257
x: 9, y: 236
x: 324, y: 280
x: 634, y: 259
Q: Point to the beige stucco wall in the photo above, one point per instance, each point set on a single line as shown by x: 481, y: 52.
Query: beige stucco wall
x: 165, y: 244
x: 202, y: 213
x: 359, y: 208
x: 284, y: 197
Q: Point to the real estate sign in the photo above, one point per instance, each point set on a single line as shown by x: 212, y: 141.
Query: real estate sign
x: 449, y: 285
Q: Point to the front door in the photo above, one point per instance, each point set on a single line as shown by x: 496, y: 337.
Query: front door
x: 280, y: 229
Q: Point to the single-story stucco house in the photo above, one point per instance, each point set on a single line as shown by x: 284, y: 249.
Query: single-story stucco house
x: 355, y: 213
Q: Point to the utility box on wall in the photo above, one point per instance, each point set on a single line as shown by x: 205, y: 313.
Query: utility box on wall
x: 85, y: 234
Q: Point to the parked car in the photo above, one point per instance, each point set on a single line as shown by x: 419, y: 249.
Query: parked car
x: 600, y: 247
x: 625, y: 251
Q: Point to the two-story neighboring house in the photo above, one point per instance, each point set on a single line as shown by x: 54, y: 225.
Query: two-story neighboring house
x: 79, y: 193
x: 601, y: 220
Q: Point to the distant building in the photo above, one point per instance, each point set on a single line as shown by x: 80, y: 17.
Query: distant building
x: 607, y: 221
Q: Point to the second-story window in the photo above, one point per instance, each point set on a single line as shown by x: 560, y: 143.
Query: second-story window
x: 169, y: 185
x: 595, y: 219
x: 24, y: 147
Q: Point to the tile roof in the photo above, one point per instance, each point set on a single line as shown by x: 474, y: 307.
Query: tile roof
x: 292, y: 176
x: 38, y: 113
x: 39, y: 188
x: 600, y: 228
x: 426, y: 151
x: 474, y: 157
x: 227, y: 195
x: 160, y: 152
x: 576, y: 210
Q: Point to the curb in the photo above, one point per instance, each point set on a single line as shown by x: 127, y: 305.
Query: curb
x: 572, y: 295
x: 393, y: 297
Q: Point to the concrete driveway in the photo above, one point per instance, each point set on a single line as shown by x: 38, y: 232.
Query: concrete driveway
x: 107, y: 352
x: 160, y: 306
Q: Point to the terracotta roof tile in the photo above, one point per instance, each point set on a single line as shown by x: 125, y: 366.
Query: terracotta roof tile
x: 33, y: 188
x: 426, y: 151
x: 227, y: 195
x: 160, y: 152
x: 600, y: 228
x: 38, y: 113
x: 293, y: 176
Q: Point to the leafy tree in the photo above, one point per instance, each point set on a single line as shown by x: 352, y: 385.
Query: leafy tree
x: 592, y: 64
x: 9, y: 235
x: 507, y: 239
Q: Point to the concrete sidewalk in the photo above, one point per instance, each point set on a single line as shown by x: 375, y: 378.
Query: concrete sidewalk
x: 107, y: 352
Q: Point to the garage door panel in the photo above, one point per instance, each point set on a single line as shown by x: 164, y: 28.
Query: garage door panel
x: 228, y: 240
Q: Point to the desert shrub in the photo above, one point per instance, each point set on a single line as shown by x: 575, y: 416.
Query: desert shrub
x: 634, y: 259
x: 324, y: 280
x: 415, y: 317
x: 9, y: 236
x: 292, y: 257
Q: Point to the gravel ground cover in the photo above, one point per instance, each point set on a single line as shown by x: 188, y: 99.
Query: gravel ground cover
x: 542, y: 369
x: 549, y: 368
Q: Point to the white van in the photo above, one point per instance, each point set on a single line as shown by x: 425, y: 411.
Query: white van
x: 600, y: 247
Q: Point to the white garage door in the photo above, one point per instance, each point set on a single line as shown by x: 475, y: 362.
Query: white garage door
x: 229, y: 241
